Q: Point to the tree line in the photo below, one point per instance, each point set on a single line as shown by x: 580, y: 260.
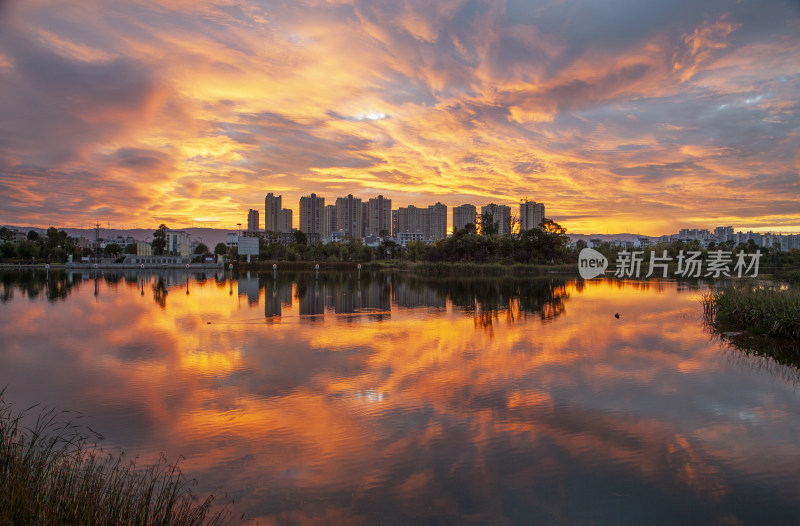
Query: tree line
x: 548, y: 244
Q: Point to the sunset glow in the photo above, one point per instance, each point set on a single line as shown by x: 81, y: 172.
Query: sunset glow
x: 642, y: 117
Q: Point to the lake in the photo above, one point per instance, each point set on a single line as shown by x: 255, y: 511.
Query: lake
x: 394, y: 399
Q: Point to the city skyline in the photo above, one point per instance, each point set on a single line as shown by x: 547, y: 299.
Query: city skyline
x: 632, y: 117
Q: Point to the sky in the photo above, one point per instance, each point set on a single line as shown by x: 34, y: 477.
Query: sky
x: 618, y: 115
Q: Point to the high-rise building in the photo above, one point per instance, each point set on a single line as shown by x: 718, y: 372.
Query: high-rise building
x: 286, y: 220
x: 349, y: 215
x: 501, y: 216
x: 252, y: 221
x: 363, y: 226
x: 329, y: 225
x: 311, y: 207
x: 462, y: 216
x: 531, y: 215
x: 272, y: 213
x: 431, y: 222
x: 437, y: 221
x: 379, y: 216
x: 723, y: 233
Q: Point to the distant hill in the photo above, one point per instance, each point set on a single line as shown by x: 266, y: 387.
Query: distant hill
x: 209, y: 236
x: 609, y: 237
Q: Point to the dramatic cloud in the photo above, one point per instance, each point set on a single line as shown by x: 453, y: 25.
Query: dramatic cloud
x: 645, y: 116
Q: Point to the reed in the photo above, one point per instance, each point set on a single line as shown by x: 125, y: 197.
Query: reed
x: 768, y: 310
x: 53, y: 473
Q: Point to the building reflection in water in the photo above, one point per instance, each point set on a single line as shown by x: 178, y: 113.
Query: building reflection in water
x: 248, y: 286
x: 481, y: 400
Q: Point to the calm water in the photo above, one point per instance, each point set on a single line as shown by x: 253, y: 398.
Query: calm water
x: 398, y: 400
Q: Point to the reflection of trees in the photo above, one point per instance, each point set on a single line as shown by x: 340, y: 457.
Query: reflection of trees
x: 488, y: 298
x: 779, y: 356
x: 160, y: 292
x: 55, y: 285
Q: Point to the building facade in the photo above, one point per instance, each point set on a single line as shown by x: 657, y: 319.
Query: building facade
x: 379, y: 216
x: 329, y: 225
x: 272, y: 213
x: 431, y: 222
x: 464, y: 215
x: 252, y: 221
x: 179, y: 243
x: 501, y: 216
x: 349, y: 216
x: 286, y: 220
x: 311, y: 212
x: 531, y: 215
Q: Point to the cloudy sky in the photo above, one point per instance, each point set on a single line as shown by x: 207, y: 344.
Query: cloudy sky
x: 619, y: 115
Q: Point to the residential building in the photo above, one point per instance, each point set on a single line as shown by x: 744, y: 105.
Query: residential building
x: 232, y: 240
x: 723, y: 233
x: 286, y: 220
x: 179, y: 243
x: 272, y: 213
x: 311, y: 209
x: 501, y: 216
x: 464, y: 215
x: 363, y: 226
x: 252, y: 221
x: 431, y: 222
x: 531, y: 215
x: 143, y: 248
x: 404, y: 238
x: 349, y: 215
x: 379, y: 216
x: 329, y: 225
x: 437, y: 225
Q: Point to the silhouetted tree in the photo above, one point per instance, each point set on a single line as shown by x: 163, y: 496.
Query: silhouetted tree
x: 159, y: 242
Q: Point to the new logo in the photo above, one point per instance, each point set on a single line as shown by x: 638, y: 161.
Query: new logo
x: 591, y: 263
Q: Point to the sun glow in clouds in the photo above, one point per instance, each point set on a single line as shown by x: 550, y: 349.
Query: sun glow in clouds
x: 632, y: 121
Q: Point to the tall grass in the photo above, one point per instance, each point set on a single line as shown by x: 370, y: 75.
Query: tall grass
x: 769, y: 310
x: 52, y: 473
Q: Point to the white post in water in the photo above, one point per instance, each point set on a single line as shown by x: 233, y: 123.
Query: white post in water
x: 274, y: 271
x: 359, y: 271
x: 316, y: 267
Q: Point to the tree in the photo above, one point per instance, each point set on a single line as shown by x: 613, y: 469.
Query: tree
x: 159, y: 242
x: 6, y: 234
x: 33, y: 235
x: 131, y: 249
x: 300, y: 237
x: 112, y: 249
x: 221, y: 249
x: 488, y: 226
x: 26, y: 249
x: 201, y: 249
x: 7, y: 250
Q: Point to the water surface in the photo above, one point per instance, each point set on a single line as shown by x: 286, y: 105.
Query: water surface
x: 397, y: 400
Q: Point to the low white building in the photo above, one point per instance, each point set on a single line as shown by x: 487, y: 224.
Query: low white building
x: 404, y: 238
x: 179, y: 243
